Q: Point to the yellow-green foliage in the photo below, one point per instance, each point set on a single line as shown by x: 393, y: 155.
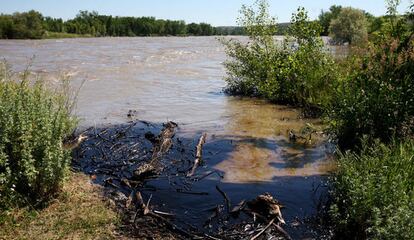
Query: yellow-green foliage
x: 34, y: 120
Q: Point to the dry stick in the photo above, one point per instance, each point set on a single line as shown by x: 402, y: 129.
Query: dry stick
x: 110, y: 183
x: 263, y: 230
x: 146, y: 211
x: 199, y: 150
x: 281, y: 230
x: 140, y: 204
x: 173, y: 226
x: 211, y: 237
x: 206, y: 175
x: 238, y: 207
x: 278, y: 227
x: 225, y: 198
x: 164, y: 213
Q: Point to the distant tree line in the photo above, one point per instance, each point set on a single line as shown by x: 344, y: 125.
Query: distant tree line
x: 34, y: 25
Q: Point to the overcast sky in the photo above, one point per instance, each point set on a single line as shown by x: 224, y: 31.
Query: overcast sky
x: 215, y: 12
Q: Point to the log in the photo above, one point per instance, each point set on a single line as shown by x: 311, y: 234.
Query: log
x: 162, y: 144
x: 199, y: 152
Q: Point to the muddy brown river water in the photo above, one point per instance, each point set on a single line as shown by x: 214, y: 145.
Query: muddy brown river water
x: 181, y: 79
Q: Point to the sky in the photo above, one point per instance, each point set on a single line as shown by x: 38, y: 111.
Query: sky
x: 215, y: 12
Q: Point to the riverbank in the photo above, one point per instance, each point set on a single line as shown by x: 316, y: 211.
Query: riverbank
x: 366, y: 98
x: 181, y: 79
x: 80, y: 212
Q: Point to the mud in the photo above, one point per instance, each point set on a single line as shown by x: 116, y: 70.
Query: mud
x: 199, y: 205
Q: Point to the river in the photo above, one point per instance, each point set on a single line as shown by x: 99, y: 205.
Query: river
x: 181, y: 79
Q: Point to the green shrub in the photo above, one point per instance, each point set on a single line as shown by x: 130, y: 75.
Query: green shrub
x: 34, y: 120
x: 250, y: 65
x: 295, y: 71
x: 312, y: 72
x: 374, y: 193
x: 376, y: 97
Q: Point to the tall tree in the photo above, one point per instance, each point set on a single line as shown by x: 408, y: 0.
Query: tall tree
x: 325, y: 18
x: 350, y: 26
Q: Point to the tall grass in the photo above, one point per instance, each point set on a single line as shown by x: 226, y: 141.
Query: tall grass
x: 34, y: 120
x: 374, y: 192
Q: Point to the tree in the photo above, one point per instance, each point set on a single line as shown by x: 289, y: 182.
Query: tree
x: 325, y: 18
x: 349, y: 27
x: 194, y: 29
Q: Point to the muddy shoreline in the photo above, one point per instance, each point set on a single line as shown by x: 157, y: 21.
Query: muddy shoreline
x: 191, y: 206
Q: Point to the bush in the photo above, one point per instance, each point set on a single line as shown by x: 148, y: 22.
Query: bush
x: 350, y: 26
x: 374, y: 193
x: 34, y: 120
x: 250, y: 64
x: 376, y: 98
x: 296, y: 71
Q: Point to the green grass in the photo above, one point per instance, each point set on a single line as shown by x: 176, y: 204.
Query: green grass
x: 374, y: 192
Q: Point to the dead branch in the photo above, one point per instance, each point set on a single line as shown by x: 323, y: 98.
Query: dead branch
x: 263, y: 218
x: 236, y: 210
x: 267, y: 206
x: 199, y: 151
x: 226, y: 199
x: 162, y: 144
x: 263, y: 230
x: 164, y: 213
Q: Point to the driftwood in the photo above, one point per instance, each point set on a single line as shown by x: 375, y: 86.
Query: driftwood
x: 73, y: 142
x: 146, y: 211
x: 236, y: 209
x: 139, y: 201
x: 164, y: 213
x: 199, y: 151
x: 119, y: 150
x: 263, y: 218
x: 267, y: 206
x: 206, y: 175
x: 216, y: 212
x: 162, y: 143
x: 264, y: 229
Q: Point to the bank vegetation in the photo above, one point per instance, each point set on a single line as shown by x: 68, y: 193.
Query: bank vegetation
x: 366, y: 98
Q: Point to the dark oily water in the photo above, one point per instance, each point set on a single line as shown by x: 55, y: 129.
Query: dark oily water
x: 180, y: 79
